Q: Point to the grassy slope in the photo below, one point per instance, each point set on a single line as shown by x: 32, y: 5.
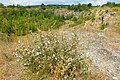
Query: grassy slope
x: 9, y: 68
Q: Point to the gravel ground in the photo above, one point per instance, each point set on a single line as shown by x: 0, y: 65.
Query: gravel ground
x: 98, y: 47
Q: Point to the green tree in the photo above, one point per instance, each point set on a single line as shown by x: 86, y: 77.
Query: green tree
x: 89, y: 5
x: 110, y: 4
x: 1, y: 5
x: 43, y: 6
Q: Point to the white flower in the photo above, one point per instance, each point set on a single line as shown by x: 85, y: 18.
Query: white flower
x: 33, y: 51
x: 53, y: 55
x: 16, y: 54
x: 38, y: 47
x: 48, y: 42
x: 62, y: 58
x: 73, y: 34
x: 115, y: 78
x: 28, y: 52
x: 43, y: 54
x: 25, y: 49
x: 42, y: 36
x: 69, y: 63
x: 65, y: 77
x: 55, y: 58
x: 84, y: 68
x: 38, y: 53
x: 19, y: 42
x: 74, y: 78
x: 24, y: 64
x: 69, y: 59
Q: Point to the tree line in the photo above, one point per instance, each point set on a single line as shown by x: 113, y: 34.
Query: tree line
x: 75, y: 7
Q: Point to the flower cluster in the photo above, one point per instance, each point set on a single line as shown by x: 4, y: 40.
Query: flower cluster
x: 60, y: 57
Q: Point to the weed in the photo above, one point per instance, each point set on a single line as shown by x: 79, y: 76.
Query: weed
x: 54, y: 56
x: 103, y: 26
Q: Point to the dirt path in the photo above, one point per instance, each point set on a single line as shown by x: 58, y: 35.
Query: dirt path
x: 100, y: 48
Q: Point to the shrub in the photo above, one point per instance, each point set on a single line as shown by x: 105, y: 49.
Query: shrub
x: 22, y: 21
x: 83, y: 19
x: 5, y: 38
x: 103, y: 26
x: 80, y: 7
x: 54, y: 56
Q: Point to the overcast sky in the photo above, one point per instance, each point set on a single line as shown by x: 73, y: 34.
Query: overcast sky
x: 37, y: 2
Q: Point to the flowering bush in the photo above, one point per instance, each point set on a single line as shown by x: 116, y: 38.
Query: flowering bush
x: 55, y: 56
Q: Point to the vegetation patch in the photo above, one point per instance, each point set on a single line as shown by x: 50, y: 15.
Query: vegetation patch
x: 103, y: 26
x: 53, y: 56
x: 22, y: 21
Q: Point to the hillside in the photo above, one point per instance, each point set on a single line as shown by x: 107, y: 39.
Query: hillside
x: 101, y: 39
x: 98, y: 30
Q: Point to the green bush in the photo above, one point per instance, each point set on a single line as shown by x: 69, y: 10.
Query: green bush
x: 80, y: 7
x: 54, y: 56
x: 22, y: 21
x: 83, y: 18
x: 103, y: 26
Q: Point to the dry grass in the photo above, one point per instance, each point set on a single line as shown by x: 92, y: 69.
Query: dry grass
x: 7, y: 63
x: 12, y: 70
x: 9, y: 67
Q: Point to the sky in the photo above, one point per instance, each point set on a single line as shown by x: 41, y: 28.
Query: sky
x: 64, y: 2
